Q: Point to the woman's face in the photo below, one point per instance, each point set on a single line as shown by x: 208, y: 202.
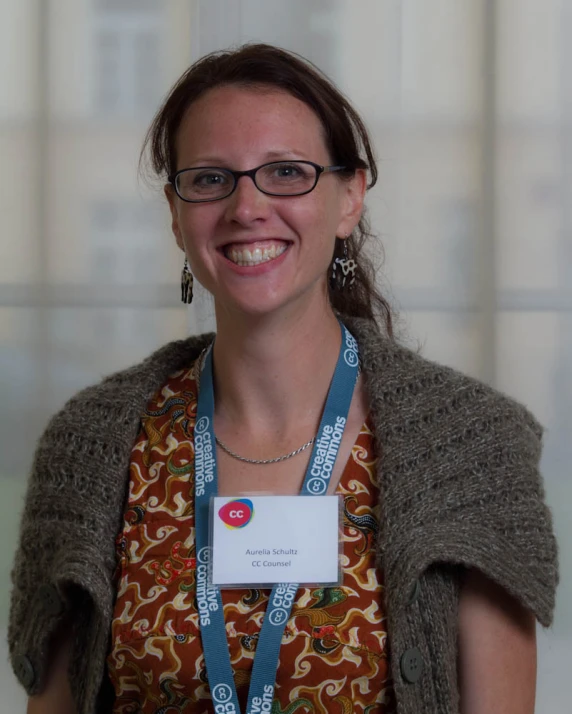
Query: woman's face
x: 239, y: 128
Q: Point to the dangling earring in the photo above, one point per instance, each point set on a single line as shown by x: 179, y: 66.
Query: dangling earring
x: 187, y: 284
x: 343, y: 269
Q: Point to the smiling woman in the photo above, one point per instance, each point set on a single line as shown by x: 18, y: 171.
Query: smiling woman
x: 446, y: 548
x: 237, y: 128
x: 270, y: 106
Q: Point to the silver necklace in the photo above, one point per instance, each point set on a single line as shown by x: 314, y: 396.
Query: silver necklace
x: 263, y: 461
x: 232, y: 453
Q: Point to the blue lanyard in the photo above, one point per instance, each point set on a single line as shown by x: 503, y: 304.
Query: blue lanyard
x: 209, y: 601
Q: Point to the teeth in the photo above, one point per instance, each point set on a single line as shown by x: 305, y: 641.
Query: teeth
x: 257, y: 256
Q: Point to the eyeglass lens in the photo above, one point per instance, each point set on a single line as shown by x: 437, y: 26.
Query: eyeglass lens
x: 284, y: 178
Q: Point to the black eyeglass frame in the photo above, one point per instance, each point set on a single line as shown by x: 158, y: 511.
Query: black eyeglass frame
x: 172, y: 179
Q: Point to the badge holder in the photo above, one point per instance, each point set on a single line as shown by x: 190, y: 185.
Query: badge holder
x: 260, y: 541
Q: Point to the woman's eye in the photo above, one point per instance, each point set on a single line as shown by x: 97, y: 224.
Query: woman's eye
x: 288, y: 171
x: 211, y: 178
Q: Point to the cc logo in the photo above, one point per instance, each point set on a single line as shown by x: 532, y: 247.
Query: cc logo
x: 222, y: 693
x: 202, y: 425
x: 278, y: 616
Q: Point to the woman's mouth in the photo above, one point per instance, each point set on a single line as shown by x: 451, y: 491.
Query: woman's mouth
x: 249, y: 254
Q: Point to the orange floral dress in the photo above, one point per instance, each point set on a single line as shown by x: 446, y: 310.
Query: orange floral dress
x: 334, y: 655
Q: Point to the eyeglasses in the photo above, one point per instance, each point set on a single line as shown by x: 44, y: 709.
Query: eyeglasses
x: 278, y: 178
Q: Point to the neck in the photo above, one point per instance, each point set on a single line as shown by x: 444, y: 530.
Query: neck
x: 274, y: 378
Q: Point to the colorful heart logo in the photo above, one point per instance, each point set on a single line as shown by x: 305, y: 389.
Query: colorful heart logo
x: 237, y: 513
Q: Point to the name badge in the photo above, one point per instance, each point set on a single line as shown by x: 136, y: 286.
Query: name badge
x: 264, y: 540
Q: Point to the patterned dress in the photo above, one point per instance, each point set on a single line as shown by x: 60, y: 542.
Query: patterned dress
x: 334, y: 655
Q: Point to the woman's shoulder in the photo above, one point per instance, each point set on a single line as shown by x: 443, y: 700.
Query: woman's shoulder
x: 74, y: 503
x: 99, y: 423
x: 418, y: 389
x: 150, y: 372
x: 460, y: 475
x: 125, y: 392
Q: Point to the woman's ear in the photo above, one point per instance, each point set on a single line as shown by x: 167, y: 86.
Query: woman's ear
x: 175, y: 226
x: 353, y: 197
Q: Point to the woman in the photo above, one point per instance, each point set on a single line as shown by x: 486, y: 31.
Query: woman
x: 448, y: 553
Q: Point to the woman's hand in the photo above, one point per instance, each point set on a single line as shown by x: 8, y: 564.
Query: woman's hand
x: 56, y: 697
x: 497, y: 650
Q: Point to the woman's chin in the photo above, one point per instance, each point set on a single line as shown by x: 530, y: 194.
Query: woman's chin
x: 257, y: 307
x: 277, y: 304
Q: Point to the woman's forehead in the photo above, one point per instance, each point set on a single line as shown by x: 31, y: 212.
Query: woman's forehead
x: 262, y: 118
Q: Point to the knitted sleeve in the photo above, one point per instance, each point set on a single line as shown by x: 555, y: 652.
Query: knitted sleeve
x: 65, y: 559
x: 469, y: 492
x: 63, y: 568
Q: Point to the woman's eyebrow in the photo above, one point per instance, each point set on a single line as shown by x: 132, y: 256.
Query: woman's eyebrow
x: 269, y: 155
x: 283, y: 152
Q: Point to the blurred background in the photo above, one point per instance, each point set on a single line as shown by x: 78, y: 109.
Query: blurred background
x: 470, y: 107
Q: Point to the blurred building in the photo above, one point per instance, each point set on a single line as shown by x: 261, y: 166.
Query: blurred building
x: 468, y: 115
x: 84, y: 238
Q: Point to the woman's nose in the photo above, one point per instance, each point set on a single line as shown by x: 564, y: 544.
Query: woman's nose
x: 247, y: 203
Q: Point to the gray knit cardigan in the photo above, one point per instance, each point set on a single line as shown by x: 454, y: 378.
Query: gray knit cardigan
x: 459, y: 482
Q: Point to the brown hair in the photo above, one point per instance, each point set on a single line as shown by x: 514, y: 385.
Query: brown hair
x: 346, y: 137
